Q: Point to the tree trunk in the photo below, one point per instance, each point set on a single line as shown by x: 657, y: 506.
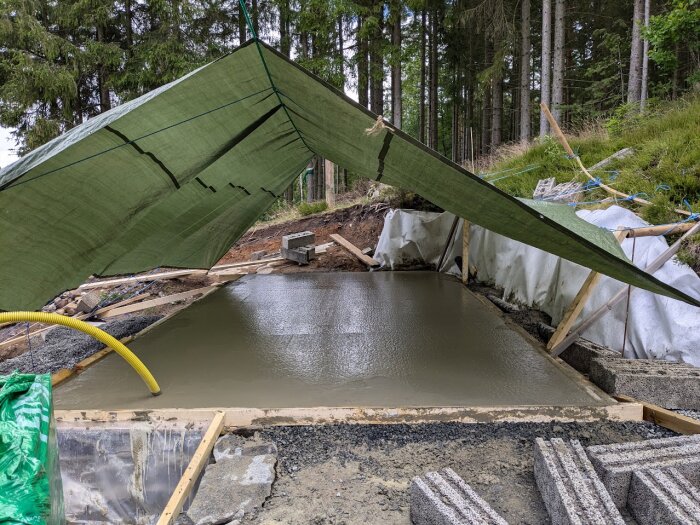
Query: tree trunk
x: 421, y: 102
x: 486, y: 102
x: 546, y: 63
x: 634, y: 85
x: 311, y: 181
x: 496, y: 106
x: 329, y: 175
x: 558, y: 62
x: 645, y: 60
x: 376, y: 64
x: 341, y: 52
x: 525, y: 71
x: 362, y: 65
x: 254, y: 16
x: 396, y: 64
x: 129, y: 29
x: 433, y: 92
x: 242, y: 37
x: 285, y: 40
x: 105, y: 102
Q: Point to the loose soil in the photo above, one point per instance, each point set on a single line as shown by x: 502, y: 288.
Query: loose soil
x: 361, y: 474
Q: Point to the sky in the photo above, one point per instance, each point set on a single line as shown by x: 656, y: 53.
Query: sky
x: 7, y: 145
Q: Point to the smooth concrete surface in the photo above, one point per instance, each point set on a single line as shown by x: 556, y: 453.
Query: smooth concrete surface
x: 380, y: 339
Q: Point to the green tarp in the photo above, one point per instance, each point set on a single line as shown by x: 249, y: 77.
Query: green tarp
x: 173, y: 178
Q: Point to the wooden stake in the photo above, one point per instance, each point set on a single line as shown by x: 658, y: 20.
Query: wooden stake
x: 465, y: 251
x: 562, y: 140
x: 329, y: 172
x: 354, y: 250
x: 600, y: 312
x: 664, y: 417
x: 576, y: 306
x: 189, y: 477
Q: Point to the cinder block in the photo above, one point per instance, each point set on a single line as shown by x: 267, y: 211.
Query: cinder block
x: 302, y: 255
x: 616, y: 463
x: 570, y: 488
x: 663, y: 496
x: 296, y: 240
x: 443, y: 498
x: 581, y: 353
x: 543, y: 188
x: 664, y: 383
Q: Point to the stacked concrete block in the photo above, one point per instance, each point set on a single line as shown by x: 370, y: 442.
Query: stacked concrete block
x: 443, y: 498
x: 299, y: 247
x: 580, y: 354
x: 570, y: 488
x: 663, y: 496
x: 548, y: 189
x: 616, y: 463
x: 671, y: 385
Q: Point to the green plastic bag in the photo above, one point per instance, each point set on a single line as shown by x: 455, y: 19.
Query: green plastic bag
x: 30, y: 478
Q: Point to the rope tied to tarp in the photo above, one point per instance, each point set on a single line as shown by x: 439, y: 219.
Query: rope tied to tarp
x: 377, y: 127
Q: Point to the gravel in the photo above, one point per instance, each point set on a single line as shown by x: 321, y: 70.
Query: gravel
x: 361, y: 473
x: 64, y: 347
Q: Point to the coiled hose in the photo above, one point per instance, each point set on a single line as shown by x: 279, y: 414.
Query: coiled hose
x: 100, y: 335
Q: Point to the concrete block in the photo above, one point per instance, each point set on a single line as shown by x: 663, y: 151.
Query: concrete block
x: 544, y: 188
x: 616, y: 463
x: 570, y: 488
x: 664, y: 383
x: 663, y: 496
x: 296, y: 240
x: 443, y: 498
x: 548, y: 189
x: 302, y: 255
x: 581, y: 353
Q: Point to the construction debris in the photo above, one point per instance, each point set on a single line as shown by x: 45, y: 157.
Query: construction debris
x: 443, y: 498
x: 239, y: 481
x: 549, y: 190
x: 616, y: 463
x: 571, y: 490
x: 88, y: 301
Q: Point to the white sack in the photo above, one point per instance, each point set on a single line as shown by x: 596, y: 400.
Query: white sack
x: 658, y: 327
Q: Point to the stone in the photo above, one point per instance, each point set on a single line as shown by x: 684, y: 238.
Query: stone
x: 297, y: 240
x: 570, y: 488
x: 232, y: 445
x: 89, y: 301
x: 443, y: 498
x: 663, y: 496
x: 232, y: 487
x: 615, y: 463
x: 664, y: 383
x: 256, y: 256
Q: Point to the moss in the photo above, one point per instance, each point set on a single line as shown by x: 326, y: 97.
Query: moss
x: 309, y: 208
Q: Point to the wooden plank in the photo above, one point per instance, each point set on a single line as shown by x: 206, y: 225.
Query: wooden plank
x: 665, y: 418
x: 141, y: 278
x: 131, y: 300
x: 157, y: 302
x: 576, y: 306
x: 189, y: 477
x: 244, y: 264
x: 354, y: 250
x: 465, y: 251
x: 329, y: 175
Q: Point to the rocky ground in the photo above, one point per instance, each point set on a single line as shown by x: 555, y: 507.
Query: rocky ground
x: 360, y: 474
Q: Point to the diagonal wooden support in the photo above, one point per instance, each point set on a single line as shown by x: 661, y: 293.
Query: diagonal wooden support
x: 576, y: 306
x: 189, y: 477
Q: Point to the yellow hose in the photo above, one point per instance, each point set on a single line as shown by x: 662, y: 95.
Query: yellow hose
x: 100, y: 335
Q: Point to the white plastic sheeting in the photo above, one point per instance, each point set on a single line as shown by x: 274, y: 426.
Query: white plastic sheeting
x: 657, y: 327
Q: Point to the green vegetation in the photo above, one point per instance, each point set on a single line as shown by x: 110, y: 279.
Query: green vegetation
x: 309, y: 208
x: 665, y: 166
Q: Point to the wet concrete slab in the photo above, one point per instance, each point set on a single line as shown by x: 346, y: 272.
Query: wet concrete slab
x: 381, y: 339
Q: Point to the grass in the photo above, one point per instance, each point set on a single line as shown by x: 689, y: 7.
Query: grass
x: 665, y: 166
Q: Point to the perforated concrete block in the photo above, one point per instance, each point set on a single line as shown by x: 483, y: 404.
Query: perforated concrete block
x: 663, y: 496
x: 572, y: 492
x: 616, y: 463
x: 443, y: 498
x: 671, y: 385
x: 296, y: 240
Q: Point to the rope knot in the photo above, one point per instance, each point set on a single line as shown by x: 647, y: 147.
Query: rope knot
x: 377, y: 127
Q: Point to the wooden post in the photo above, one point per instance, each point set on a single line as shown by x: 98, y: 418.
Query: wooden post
x: 329, y: 169
x: 465, y: 251
x: 576, y: 306
x: 189, y: 477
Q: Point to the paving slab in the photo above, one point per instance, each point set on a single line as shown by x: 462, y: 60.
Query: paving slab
x: 664, y: 383
x: 443, y: 498
x: 663, y: 496
x: 364, y: 339
x: 572, y: 492
x: 616, y: 463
